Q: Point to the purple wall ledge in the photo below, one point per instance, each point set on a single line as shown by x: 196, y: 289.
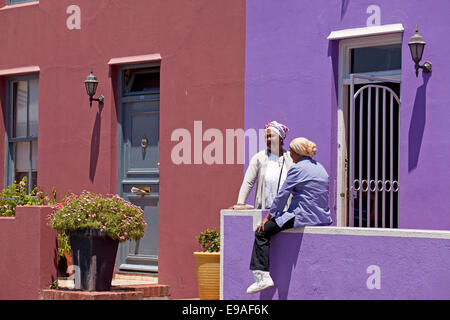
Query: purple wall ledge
x: 336, y: 262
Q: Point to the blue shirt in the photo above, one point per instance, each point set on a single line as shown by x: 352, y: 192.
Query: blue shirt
x: 307, y: 180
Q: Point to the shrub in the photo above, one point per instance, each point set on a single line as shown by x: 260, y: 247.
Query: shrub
x: 209, y: 240
x: 63, y: 245
x: 111, y: 214
x: 16, y: 195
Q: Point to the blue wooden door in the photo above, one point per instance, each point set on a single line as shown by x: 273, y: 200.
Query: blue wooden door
x: 139, y: 163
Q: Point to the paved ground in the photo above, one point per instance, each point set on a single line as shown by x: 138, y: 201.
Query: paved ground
x: 120, y: 279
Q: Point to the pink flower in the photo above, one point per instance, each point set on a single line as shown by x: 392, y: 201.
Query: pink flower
x: 122, y: 238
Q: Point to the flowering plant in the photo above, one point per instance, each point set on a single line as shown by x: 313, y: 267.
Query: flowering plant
x: 17, y: 195
x: 111, y: 214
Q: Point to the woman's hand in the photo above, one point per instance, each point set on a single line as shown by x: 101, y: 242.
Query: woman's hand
x: 241, y: 206
x: 261, y: 225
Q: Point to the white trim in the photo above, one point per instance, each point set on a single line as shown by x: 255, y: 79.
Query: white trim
x: 18, y: 5
x: 19, y: 70
x: 345, y: 47
x: 256, y: 214
x: 347, y: 231
x: 365, y: 31
x: 377, y: 232
x: 221, y: 255
x: 394, y: 75
x: 135, y: 59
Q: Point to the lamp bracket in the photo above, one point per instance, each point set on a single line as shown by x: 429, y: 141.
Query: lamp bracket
x: 427, y: 67
x: 100, y: 99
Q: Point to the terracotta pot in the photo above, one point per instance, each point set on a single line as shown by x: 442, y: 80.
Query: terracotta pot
x: 208, y: 275
x: 69, y: 264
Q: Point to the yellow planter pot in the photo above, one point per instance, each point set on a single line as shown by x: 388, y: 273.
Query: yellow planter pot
x: 208, y: 275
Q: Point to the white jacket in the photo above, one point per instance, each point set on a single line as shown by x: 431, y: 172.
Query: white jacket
x: 256, y: 171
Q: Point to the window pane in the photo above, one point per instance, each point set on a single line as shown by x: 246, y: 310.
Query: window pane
x: 138, y: 80
x: 145, y: 81
x: 19, y: 176
x: 379, y: 58
x: 33, y: 107
x: 34, y: 158
x: 20, y: 100
x: 22, y: 156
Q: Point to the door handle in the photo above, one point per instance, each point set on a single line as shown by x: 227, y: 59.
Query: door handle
x: 141, y: 190
x: 144, y: 142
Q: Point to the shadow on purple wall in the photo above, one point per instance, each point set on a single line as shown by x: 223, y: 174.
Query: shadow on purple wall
x: 333, y: 53
x: 344, y: 5
x: 417, y: 125
x: 286, y: 263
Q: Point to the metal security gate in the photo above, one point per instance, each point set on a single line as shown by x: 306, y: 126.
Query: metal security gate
x: 373, y: 170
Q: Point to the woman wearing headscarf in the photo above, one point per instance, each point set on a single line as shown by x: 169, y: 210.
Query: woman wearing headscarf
x: 307, y: 182
x: 268, y: 168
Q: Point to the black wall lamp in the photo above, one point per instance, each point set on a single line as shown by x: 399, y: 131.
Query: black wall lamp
x: 91, y: 84
x: 416, y: 45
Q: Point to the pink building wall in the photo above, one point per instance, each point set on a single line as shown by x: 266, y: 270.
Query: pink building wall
x: 201, y: 44
x: 28, y: 251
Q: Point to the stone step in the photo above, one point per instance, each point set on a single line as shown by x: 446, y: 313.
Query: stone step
x: 119, y: 292
x: 136, y: 277
x: 149, y: 291
x: 55, y: 294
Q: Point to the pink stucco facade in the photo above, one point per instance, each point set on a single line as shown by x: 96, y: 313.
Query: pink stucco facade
x: 28, y: 247
x: 201, y: 49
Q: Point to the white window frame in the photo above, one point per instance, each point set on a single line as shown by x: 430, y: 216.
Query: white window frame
x: 345, y: 46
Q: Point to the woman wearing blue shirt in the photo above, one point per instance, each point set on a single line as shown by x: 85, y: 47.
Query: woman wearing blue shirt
x: 307, y: 181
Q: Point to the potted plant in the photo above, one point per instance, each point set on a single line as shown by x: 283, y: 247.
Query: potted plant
x: 64, y: 255
x: 95, y: 224
x: 208, y: 265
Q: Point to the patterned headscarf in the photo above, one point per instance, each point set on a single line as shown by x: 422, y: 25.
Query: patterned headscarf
x: 303, y: 147
x: 279, y: 128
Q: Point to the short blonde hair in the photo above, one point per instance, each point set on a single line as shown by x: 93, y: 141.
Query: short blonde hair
x: 303, y: 147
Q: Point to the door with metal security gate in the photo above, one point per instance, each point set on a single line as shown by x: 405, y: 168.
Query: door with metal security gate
x: 373, y: 152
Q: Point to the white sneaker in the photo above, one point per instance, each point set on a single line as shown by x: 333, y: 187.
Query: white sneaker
x: 262, y: 281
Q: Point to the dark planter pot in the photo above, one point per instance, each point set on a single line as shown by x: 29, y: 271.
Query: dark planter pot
x: 62, y: 266
x: 94, y: 253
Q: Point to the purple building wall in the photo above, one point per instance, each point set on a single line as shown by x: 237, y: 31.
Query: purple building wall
x: 337, y: 263
x: 291, y: 76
